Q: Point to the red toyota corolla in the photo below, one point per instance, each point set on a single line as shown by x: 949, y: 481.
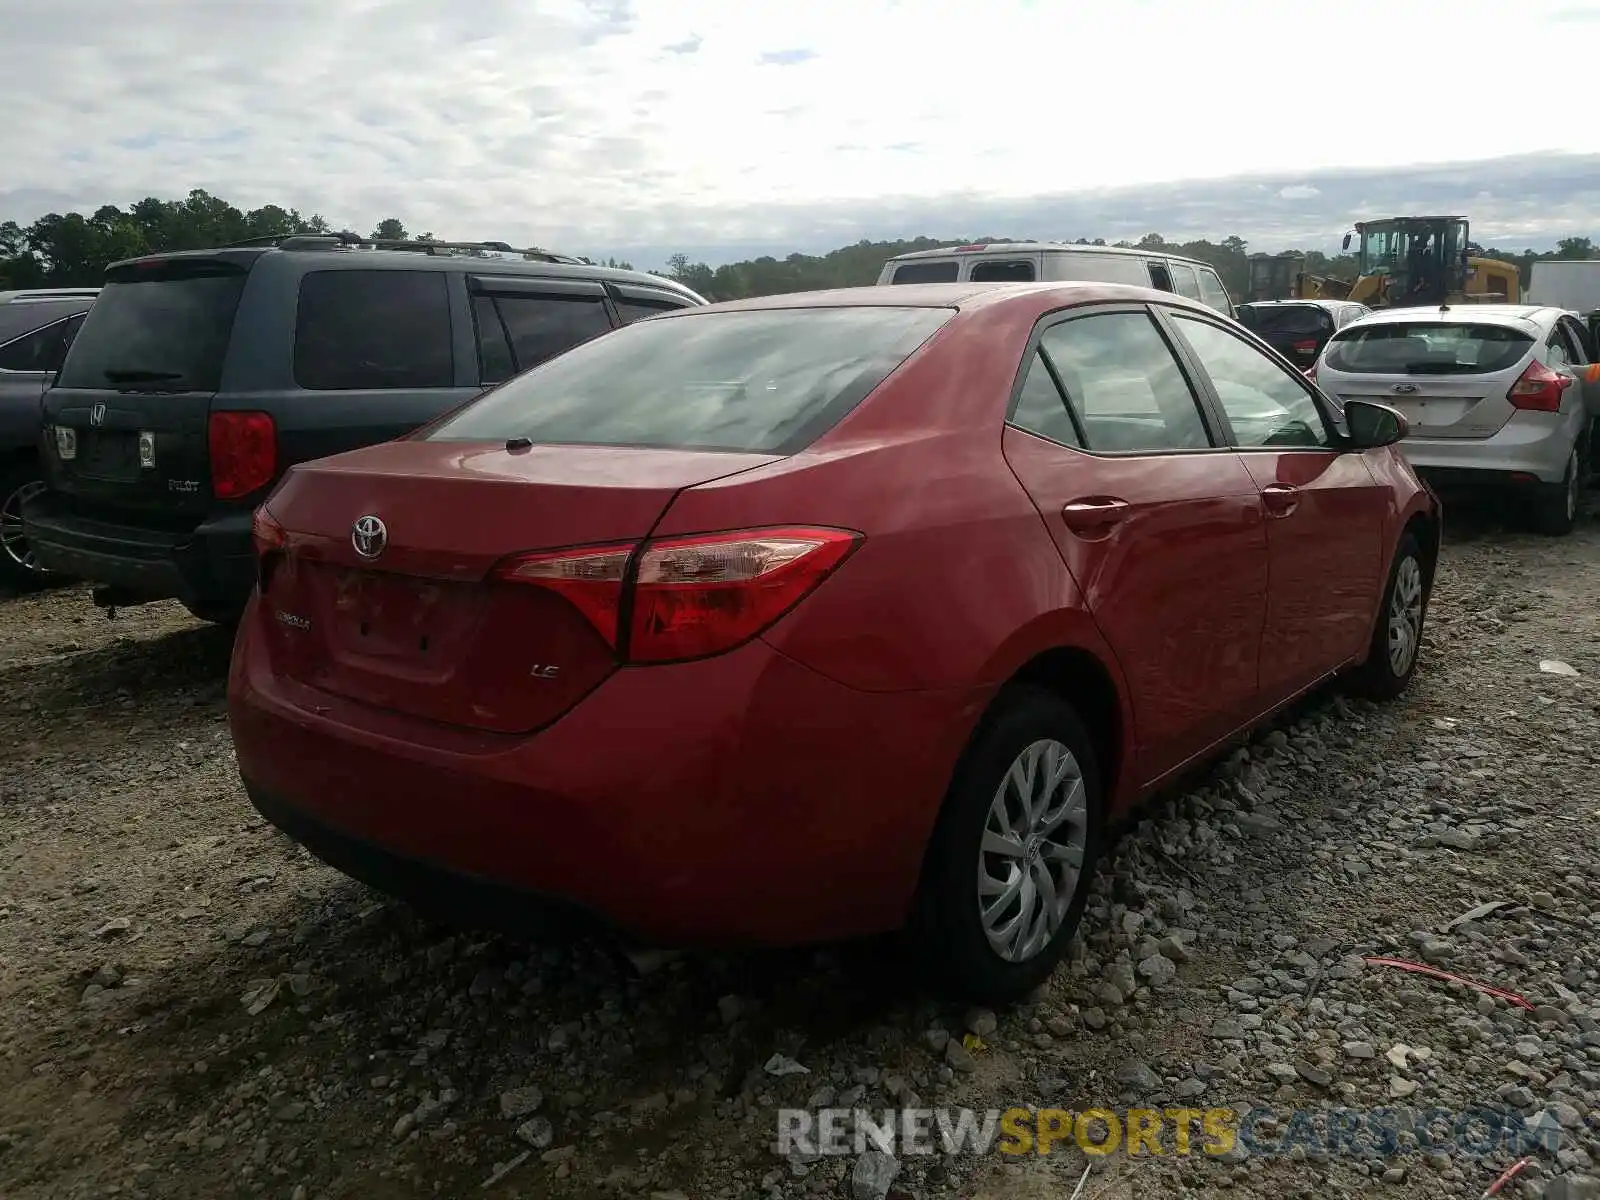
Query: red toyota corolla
x: 820, y: 615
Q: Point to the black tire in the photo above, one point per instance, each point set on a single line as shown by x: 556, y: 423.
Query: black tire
x: 1380, y: 678
x: 17, y: 570
x: 946, y: 933
x: 1557, y: 506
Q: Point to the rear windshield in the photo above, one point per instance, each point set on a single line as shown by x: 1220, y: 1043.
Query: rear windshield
x: 764, y: 381
x: 1286, y: 318
x: 1427, y: 348
x: 927, y: 272
x: 163, y: 326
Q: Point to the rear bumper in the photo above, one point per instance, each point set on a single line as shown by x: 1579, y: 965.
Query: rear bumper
x: 212, y: 565
x: 1532, y: 445
x: 740, y: 800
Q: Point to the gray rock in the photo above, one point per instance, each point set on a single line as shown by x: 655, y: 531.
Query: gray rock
x: 519, y: 1102
x: 537, y: 1133
x: 1139, y: 1077
x: 959, y: 1057
x: 1158, y: 969
x: 1360, y: 1050
x: 873, y: 1174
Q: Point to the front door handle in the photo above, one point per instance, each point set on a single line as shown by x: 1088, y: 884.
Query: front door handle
x: 1280, y: 499
x: 1094, y: 516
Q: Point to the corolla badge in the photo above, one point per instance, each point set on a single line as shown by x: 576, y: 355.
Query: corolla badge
x: 1404, y: 389
x: 369, y: 536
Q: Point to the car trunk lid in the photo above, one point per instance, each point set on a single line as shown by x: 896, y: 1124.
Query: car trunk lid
x: 1449, y: 380
x: 422, y: 626
x: 134, y: 393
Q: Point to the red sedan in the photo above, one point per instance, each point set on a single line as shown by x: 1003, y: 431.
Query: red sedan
x: 821, y: 615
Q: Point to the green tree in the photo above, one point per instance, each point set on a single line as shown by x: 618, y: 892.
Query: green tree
x: 390, y: 229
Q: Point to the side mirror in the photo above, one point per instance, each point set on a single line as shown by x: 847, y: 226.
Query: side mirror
x: 1345, y: 245
x: 1373, y: 425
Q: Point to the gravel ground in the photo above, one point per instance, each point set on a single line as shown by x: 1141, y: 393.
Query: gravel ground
x: 192, y: 1007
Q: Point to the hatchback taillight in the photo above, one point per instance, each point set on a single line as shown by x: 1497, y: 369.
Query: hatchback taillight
x: 687, y: 597
x: 244, y: 453
x: 1539, y: 389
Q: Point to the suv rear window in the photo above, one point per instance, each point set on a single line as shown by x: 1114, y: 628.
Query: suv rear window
x: 1002, y: 270
x: 373, y: 329
x: 1427, y: 348
x: 927, y: 272
x: 1308, y: 319
x: 165, y: 323
x: 762, y: 381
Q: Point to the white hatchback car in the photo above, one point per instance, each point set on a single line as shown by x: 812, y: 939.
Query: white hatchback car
x: 1497, y: 396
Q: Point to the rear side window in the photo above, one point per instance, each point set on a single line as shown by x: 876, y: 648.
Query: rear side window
x: 1160, y: 277
x: 927, y: 272
x: 37, y: 351
x: 541, y: 327
x: 1002, y: 271
x: 1183, y: 278
x: 358, y: 330
x: 1213, y: 293
x: 1427, y: 348
x: 765, y: 381
x: 637, y: 310
x: 165, y: 323
x: 1074, y: 266
x: 1041, y: 408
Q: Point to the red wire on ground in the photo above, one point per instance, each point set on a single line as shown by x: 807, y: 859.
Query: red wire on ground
x: 1436, y: 973
x: 1510, y: 1173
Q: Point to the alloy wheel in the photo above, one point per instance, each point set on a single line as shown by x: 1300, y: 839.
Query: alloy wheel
x: 13, y: 545
x: 1031, y: 860
x: 1405, y: 615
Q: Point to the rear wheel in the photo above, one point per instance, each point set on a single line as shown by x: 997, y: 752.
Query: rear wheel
x: 18, y: 567
x: 1397, y: 640
x: 1556, y: 508
x: 1009, y: 866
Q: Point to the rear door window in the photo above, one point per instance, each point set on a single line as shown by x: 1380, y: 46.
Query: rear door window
x: 1427, y: 348
x: 767, y: 381
x: 166, y: 323
x: 1002, y: 270
x: 360, y: 330
x: 1123, y: 382
x: 927, y: 272
x: 1041, y: 408
x: 541, y: 327
x: 1160, y: 277
x: 631, y: 309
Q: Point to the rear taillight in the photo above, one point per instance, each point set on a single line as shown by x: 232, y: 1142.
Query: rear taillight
x: 1306, y: 347
x: 1539, y: 389
x: 244, y: 453
x: 688, y: 597
x: 265, y: 532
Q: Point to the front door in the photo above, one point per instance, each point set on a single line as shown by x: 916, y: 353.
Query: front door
x: 1160, y: 525
x: 1326, y: 510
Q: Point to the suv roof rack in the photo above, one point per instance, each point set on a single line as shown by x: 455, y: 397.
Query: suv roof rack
x: 41, y: 295
x: 351, y: 241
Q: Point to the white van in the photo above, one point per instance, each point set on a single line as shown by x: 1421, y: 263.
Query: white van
x: 1027, y: 262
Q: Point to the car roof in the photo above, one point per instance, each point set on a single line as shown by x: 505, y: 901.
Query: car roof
x: 965, y: 296
x: 331, y: 257
x: 1513, y: 316
x: 1036, y: 247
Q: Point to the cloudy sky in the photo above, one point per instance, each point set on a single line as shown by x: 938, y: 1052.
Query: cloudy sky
x: 722, y: 127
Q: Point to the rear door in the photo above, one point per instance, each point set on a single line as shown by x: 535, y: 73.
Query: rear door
x: 1111, y: 442
x: 1450, y: 379
x: 1325, y: 509
x: 1580, y: 363
x: 135, y: 388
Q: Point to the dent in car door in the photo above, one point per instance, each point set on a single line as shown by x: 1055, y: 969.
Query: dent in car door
x: 1162, y: 532
x: 1326, y: 512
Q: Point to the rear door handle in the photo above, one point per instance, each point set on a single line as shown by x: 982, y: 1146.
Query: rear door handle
x: 1094, y: 516
x: 1280, y: 499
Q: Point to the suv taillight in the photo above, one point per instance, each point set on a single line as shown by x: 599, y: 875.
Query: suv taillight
x: 1539, y: 389
x: 687, y: 597
x: 244, y: 453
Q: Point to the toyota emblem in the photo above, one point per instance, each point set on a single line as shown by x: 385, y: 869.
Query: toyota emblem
x: 369, y: 536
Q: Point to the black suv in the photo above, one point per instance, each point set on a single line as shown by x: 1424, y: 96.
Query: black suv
x: 200, y: 376
x: 36, y: 327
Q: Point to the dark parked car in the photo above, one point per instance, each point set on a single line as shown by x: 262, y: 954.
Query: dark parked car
x: 820, y: 615
x: 199, y: 377
x: 36, y: 327
x: 1299, y: 329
